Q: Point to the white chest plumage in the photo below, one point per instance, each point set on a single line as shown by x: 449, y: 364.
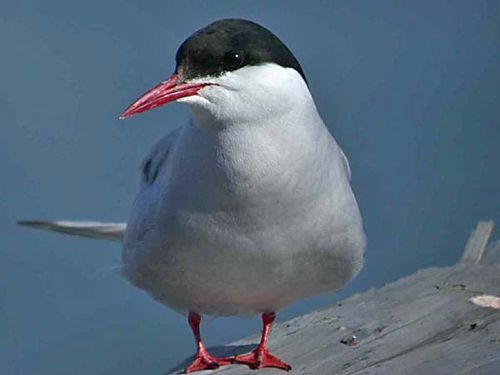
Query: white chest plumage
x: 245, y: 219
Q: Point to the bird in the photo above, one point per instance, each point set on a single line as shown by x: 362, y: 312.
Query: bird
x: 248, y: 206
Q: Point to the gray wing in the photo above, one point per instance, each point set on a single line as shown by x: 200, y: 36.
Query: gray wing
x: 154, y: 161
x: 92, y: 229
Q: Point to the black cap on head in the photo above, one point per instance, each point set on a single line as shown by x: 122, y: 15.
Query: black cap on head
x: 228, y: 45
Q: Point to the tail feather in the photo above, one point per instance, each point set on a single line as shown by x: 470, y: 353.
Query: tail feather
x: 92, y: 229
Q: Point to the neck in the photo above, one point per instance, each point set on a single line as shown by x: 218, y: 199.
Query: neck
x: 301, y: 112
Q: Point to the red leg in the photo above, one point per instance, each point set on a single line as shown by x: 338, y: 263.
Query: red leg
x: 202, y: 360
x: 260, y: 356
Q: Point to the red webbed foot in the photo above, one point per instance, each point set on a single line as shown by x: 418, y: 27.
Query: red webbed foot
x: 204, y: 361
x: 260, y: 358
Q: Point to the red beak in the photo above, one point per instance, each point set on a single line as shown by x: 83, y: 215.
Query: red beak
x: 163, y: 93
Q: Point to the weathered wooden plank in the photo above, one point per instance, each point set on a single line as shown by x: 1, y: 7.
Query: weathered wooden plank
x: 492, y: 254
x: 477, y: 241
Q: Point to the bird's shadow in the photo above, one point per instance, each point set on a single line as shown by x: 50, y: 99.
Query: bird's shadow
x: 217, y: 351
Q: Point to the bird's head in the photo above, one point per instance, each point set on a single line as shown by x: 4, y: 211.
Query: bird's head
x: 230, y: 71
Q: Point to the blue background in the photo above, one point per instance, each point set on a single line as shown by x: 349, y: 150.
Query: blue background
x: 411, y: 92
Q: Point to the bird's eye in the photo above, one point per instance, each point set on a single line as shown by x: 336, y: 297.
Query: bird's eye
x: 233, y: 60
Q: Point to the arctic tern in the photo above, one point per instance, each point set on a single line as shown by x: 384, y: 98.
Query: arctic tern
x: 248, y: 207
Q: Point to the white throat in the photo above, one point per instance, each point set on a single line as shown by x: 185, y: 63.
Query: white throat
x: 251, y: 95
